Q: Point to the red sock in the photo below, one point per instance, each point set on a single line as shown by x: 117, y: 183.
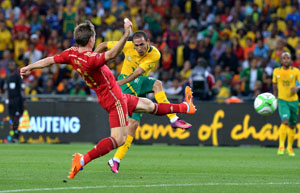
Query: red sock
x: 166, y: 108
x: 103, y: 147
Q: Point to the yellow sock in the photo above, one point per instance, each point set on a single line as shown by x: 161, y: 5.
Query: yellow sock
x: 291, y: 134
x: 161, y: 97
x: 282, y: 134
x: 122, y: 150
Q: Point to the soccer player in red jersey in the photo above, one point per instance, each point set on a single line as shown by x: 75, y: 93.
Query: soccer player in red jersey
x: 91, y: 66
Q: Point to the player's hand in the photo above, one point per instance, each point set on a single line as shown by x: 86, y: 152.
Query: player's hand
x: 118, y: 82
x: 127, y: 26
x: 25, y: 71
x: 294, y: 89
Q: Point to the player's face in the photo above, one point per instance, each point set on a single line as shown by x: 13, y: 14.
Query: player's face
x: 285, y: 60
x: 141, y: 45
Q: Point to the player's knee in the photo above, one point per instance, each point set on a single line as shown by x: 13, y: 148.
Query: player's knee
x: 120, y: 139
x: 148, y: 104
x: 286, y: 121
x: 157, y: 86
x: 133, y: 125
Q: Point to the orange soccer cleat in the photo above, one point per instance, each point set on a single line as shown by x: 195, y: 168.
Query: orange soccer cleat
x: 189, y: 100
x: 76, y: 165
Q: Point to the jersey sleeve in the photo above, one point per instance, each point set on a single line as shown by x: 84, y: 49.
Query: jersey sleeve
x: 62, y: 58
x: 274, y: 79
x: 111, y: 44
x: 98, y: 60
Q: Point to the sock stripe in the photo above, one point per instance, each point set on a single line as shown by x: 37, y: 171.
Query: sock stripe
x: 114, y: 142
x: 155, y: 108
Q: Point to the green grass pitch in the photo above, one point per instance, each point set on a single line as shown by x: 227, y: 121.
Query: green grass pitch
x: 157, y: 168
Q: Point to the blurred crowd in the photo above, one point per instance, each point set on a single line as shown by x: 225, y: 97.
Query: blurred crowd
x: 224, y: 49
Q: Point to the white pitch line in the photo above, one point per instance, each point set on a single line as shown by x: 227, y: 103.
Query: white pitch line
x: 149, y: 186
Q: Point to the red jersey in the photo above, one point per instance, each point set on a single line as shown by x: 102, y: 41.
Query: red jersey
x: 91, y: 66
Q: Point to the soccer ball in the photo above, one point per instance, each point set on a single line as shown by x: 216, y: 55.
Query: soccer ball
x: 265, y: 104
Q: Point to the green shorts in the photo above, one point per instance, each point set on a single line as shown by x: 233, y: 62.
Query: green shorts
x: 288, y: 110
x: 138, y: 87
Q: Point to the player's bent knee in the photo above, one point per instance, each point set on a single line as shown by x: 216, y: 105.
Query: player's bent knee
x: 132, y: 126
x: 286, y: 121
x: 120, y: 140
x: 148, y: 105
x: 119, y: 134
x: 157, y: 86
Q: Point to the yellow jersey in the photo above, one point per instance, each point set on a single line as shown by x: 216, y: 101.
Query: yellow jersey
x: 286, y: 79
x: 133, y: 59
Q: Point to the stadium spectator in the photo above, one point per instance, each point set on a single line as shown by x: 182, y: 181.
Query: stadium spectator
x: 228, y: 60
x: 5, y: 38
x: 294, y: 16
x: 190, y: 50
x: 77, y: 90
x: 297, y: 61
x: 33, y: 54
x: 250, y: 76
x: 217, y: 51
x: 202, y: 80
x: 261, y: 49
x: 4, y: 63
x: 175, y: 88
x: 271, y: 41
x: 250, y: 46
x: 187, y: 70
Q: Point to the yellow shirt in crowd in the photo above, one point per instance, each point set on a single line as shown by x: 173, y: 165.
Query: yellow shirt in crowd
x: 5, y: 40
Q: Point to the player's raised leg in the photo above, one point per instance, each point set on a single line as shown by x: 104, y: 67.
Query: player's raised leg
x: 160, y: 97
x: 145, y: 105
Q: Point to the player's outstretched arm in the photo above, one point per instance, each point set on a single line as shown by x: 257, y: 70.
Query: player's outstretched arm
x: 115, y: 51
x: 25, y: 71
x: 101, y: 47
x: 132, y: 76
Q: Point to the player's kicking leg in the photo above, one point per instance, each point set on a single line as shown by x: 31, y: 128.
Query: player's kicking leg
x: 145, y: 105
x: 160, y: 97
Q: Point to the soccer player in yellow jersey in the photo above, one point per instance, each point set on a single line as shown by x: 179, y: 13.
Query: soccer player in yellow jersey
x: 284, y: 87
x: 140, y: 59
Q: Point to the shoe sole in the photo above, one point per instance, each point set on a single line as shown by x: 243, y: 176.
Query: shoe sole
x: 189, y: 100
x: 74, y: 168
x: 110, y: 163
x: 182, y: 127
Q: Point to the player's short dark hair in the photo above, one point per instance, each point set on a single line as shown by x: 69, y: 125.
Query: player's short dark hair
x: 83, y: 32
x: 139, y: 34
